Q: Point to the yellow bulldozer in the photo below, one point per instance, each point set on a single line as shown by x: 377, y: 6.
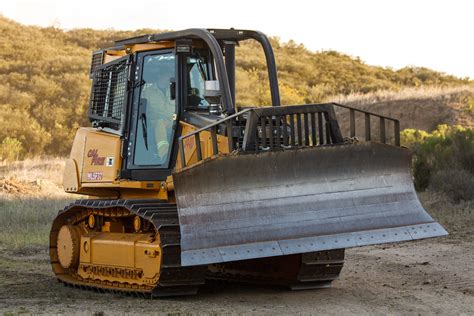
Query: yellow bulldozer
x: 185, y: 186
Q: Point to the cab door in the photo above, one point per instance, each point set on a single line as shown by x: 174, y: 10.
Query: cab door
x: 153, y: 117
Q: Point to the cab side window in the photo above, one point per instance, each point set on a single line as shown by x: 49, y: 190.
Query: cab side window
x: 197, y: 74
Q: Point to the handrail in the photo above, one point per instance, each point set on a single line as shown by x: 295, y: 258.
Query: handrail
x: 305, y: 115
x: 367, y: 115
x: 212, y: 128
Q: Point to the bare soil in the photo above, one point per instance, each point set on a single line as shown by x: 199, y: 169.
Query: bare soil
x: 16, y: 187
x: 434, y: 276
x: 37, y: 177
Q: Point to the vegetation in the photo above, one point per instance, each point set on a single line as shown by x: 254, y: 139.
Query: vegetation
x: 10, y: 149
x: 28, y: 221
x: 44, y: 89
x: 307, y: 77
x: 30, y: 197
x: 444, y: 160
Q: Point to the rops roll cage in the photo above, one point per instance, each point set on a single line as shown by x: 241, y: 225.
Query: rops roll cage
x: 219, y: 41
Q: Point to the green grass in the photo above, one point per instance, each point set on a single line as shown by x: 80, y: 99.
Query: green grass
x: 26, y: 222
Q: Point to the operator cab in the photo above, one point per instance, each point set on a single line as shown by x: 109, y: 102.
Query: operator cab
x: 145, y: 86
x: 170, y: 85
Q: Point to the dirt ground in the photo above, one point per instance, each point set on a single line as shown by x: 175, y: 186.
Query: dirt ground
x: 433, y: 276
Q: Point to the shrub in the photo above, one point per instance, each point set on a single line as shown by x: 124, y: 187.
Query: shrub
x: 456, y: 183
x: 10, y: 149
x: 444, y: 160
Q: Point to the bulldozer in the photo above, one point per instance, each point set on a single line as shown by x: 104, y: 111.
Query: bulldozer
x: 181, y: 186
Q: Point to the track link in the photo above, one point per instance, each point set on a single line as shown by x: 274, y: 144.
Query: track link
x: 174, y: 280
x: 298, y: 272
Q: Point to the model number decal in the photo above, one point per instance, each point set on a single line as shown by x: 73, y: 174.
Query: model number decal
x: 95, y: 176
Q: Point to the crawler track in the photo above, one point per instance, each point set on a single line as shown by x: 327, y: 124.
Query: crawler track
x: 301, y: 271
x: 174, y: 279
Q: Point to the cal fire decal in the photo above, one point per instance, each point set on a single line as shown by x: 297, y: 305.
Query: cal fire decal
x: 96, y: 160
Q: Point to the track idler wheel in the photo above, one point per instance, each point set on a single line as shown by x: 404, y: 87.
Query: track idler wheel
x: 68, y: 244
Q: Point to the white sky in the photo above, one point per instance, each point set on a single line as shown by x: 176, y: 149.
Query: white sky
x: 438, y: 34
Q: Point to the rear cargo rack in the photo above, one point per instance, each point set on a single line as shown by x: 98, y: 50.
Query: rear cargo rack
x: 273, y: 128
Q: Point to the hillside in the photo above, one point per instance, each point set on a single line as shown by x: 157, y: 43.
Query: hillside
x: 44, y: 87
x: 420, y: 108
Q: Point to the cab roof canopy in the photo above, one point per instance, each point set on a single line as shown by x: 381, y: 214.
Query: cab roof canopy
x: 217, y: 40
x: 218, y: 34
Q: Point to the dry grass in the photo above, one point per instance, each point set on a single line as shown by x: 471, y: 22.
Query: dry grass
x: 30, y: 197
x: 417, y: 108
x: 40, y: 177
x: 413, y: 93
x: 458, y: 218
x: 26, y: 221
x: 49, y: 168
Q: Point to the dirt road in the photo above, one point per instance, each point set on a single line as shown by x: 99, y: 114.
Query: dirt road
x: 430, y: 276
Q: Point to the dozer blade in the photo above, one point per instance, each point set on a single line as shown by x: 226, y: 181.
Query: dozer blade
x: 252, y: 205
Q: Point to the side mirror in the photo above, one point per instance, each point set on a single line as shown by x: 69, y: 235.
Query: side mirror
x: 213, y: 95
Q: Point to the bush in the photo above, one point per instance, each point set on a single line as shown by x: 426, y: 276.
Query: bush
x: 457, y: 184
x: 444, y: 160
x: 10, y: 149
